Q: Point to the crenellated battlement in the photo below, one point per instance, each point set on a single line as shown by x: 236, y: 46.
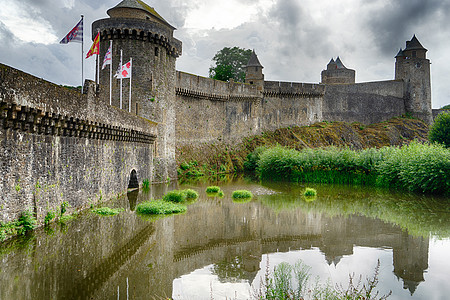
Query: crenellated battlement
x: 293, y: 89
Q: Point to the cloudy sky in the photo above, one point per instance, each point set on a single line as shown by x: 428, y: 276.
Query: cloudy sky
x: 294, y: 39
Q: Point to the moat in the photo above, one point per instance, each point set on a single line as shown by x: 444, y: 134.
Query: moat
x: 220, y: 249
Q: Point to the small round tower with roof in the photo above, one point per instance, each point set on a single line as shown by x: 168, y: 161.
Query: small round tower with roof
x: 413, y: 67
x: 253, y: 72
x: 142, y: 34
x: 337, y: 73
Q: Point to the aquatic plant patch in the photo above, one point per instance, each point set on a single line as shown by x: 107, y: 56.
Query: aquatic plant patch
x: 212, y: 189
x: 310, y: 192
x: 175, y: 196
x: 160, y: 207
x: 242, y: 194
x: 106, y: 211
x: 190, y: 194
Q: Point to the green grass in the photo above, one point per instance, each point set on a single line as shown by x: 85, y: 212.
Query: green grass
x: 415, y: 167
x: 310, y: 192
x: 145, y: 184
x: 175, y: 196
x: 106, y: 211
x: 190, y: 194
x: 160, y: 207
x: 242, y: 194
x: 212, y: 189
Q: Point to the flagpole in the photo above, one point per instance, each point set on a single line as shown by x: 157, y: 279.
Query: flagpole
x: 98, y: 60
x: 82, y: 55
x: 120, y: 74
x: 131, y: 72
x: 110, y: 75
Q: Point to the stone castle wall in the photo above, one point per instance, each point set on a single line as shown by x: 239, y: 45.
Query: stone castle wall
x: 367, y: 103
x: 59, y: 145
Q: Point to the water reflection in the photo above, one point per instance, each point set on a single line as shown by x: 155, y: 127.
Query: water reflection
x: 223, y: 246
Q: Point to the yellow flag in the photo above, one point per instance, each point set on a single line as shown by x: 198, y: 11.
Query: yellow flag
x: 95, y: 46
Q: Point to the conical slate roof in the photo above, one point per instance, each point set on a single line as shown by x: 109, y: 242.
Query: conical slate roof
x: 138, y: 4
x: 339, y: 63
x: 253, y: 61
x: 414, y: 44
x: 400, y: 53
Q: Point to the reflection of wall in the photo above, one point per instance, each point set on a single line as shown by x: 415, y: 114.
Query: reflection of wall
x: 98, y: 254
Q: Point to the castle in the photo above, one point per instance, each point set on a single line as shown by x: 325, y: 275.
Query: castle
x: 60, y: 145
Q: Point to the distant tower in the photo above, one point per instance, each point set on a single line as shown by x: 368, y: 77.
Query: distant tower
x: 141, y: 33
x: 253, y: 72
x: 413, y: 67
x: 337, y: 73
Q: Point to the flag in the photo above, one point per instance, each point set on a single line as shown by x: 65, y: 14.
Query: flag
x: 117, y: 75
x: 108, y: 58
x: 124, y: 72
x: 75, y: 35
x: 95, y: 46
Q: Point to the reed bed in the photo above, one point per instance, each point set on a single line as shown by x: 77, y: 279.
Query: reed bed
x: 415, y: 167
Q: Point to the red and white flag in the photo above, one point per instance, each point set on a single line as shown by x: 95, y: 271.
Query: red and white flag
x: 124, y: 72
x: 108, y: 58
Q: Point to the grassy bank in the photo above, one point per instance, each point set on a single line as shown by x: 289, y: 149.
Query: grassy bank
x: 415, y: 167
x: 229, y: 156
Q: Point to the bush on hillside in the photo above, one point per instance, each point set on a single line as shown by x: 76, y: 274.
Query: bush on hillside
x: 440, y: 130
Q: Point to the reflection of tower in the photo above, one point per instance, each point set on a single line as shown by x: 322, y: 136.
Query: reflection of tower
x: 411, y: 260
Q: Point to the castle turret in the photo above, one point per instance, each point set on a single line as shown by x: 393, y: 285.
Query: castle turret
x: 337, y: 73
x: 253, y: 72
x: 413, y: 67
x: 142, y: 34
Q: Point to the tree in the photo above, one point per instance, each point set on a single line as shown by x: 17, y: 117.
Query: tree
x: 440, y: 130
x: 230, y: 63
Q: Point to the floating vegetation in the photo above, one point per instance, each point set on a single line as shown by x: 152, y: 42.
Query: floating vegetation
x: 160, y: 207
x: 106, y: 211
x: 175, y: 196
x: 242, y: 194
x: 190, y: 194
x: 212, y: 189
x: 310, y: 192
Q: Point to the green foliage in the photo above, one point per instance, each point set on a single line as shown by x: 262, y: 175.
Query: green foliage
x: 440, y: 130
x: 190, y: 194
x: 282, y: 285
x: 7, y: 230
x: 64, y: 207
x: 446, y: 106
x: 49, y: 217
x: 26, y: 222
x: 159, y: 207
x: 251, y: 162
x: 242, y: 194
x: 415, y: 167
x: 230, y: 63
x: 145, y: 184
x: 106, y: 211
x: 309, y: 192
x: 175, y: 196
x: 212, y: 189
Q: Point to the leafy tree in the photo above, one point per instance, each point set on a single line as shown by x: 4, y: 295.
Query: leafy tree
x: 446, y: 107
x: 230, y: 63
x: 440, y: 130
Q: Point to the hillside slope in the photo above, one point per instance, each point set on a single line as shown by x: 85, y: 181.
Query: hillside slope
x: 213, y: 158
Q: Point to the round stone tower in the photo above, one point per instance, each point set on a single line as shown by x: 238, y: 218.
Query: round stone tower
x: 413, y: 67
x: 142, y: 34
x: 253, y: 72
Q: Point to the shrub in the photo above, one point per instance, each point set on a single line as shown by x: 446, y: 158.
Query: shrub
x: 106, y: 211
x: 252, y: 159
x: 160, y: 207
x: 26, y: 222
x: 309, y: 192
x: 440, y: 130
x: 49, y: 217
x: 190, y: 194
x: 242, y: 194
x: 175, y: 196
x: 212, y: 189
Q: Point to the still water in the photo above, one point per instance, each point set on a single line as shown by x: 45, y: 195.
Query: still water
x: 221, y: 249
